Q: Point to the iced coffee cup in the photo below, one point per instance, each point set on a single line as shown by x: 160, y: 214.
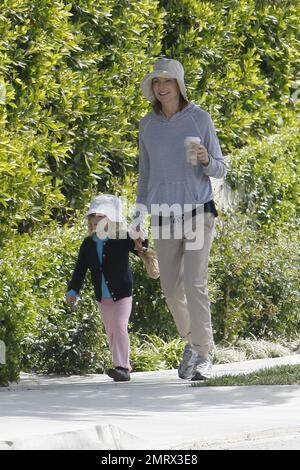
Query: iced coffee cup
x: 190, y: 151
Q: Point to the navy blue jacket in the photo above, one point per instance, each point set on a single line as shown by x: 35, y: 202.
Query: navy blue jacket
x: 115, y: 267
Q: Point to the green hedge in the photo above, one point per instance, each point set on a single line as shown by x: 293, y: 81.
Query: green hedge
x: 40, y: 329
x: 255, y: 281
x: 265, y: 177
x: 240, y: 57
x: 72, y: 72
x: 69, y: 119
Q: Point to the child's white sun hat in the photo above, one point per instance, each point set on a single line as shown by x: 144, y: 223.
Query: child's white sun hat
x: 166, y: 68
x: 107, y: 204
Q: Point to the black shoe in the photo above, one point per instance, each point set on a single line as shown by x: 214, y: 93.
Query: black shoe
x: 119, y: 374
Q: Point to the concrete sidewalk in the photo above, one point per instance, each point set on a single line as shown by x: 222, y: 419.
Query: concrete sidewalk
x: 155, y: 410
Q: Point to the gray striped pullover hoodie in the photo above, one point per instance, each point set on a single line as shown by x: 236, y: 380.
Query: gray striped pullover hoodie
x: 164, y: 174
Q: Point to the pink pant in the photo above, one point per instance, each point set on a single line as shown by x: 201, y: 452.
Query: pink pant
x: 115, y: 316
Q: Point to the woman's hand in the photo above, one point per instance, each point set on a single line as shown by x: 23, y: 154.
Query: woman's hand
x: 202, y: 154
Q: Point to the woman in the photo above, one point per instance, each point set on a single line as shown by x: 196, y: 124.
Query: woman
x: 167, y: 177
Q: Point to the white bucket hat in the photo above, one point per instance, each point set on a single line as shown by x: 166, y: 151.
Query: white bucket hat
x: 168, y: 68
x: 107, y: 204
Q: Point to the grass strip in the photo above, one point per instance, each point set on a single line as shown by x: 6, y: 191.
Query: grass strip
x: 277, y: 375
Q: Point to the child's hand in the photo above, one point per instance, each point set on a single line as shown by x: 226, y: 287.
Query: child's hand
x: 70, y: 299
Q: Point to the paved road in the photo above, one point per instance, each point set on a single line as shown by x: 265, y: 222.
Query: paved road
x: 156, y: 407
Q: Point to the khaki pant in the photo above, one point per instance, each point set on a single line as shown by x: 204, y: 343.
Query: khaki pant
x: 183, y: 277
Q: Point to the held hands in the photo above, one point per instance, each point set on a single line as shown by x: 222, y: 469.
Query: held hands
x: 202, y: 154
x: 138, y: 244
x: 142, y: 235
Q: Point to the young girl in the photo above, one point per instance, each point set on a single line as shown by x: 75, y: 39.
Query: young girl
x: 108, y: 260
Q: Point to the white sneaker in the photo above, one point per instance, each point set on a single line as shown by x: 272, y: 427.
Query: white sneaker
x: 202, y: 369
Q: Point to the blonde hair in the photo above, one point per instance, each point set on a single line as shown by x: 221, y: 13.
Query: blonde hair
x: 89, y: 224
